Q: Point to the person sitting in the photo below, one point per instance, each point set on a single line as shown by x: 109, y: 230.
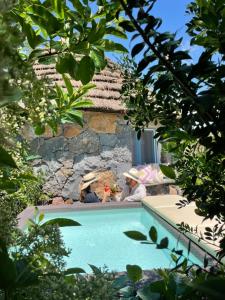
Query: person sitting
x: 86, y: 195
x: 133, y: 190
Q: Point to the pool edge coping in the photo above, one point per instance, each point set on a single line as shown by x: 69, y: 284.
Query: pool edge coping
x: 28, y: 212
x: 199, y: 244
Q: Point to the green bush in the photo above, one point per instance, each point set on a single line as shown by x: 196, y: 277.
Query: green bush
x: 95, y: 286
x: 30, y: 191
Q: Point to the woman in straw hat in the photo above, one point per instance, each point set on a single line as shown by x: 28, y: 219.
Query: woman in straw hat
x: 86, y: 195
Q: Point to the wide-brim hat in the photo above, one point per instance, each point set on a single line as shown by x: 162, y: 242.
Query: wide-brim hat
x: 85, y: 184
x: 89, y: 176
x: 133, y: 174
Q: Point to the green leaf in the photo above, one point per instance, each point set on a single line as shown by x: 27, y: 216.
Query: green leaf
x: 6, y: 159
x: 134, y: 272
x: 58, y: 6
x: 86, y: 69
x: 116, y: 32
x: 95, y: 270
x: 137, y: 48
x: 99, y: 59
x: 68, y: 84
x: 74, y: 271
x: 73, y: 116
x: 84, y: 89
x: 33, y: 39
x: 120, y: 282
x: 145, y: 62
x: 60, y: 95
x: 163, y: 37
x: 112, y: 47
x: 153, y: 234
x: 78, y: 93
x: 168, y: 171
x: 82, y: 48
x: 42, y: 17
x: 163, y: 243
x: 61, y: 222
x: 67, y: 64
x: 78, y: 6
x: 41, y: 217
x: 127, y: 25
x: 180, y: 55
x: 136, y: 235
x: 174, y: 257
x: 145, y: 293
x: 82, y: 104
x: 135, y: 36
x: 96, y: 33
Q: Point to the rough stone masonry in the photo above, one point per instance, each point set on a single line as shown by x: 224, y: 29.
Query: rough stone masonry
x: 105, y: 141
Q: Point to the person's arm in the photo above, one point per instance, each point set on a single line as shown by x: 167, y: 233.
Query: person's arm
x: 125, y: 193
x: 139, y: 194
x: 106, y: 196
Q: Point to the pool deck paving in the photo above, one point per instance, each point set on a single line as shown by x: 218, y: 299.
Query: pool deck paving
x: 165, y: 206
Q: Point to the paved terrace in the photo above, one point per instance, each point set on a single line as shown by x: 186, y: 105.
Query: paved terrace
x: 165, y: 207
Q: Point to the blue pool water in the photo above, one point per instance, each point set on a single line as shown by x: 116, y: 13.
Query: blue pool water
x: 100, y: 240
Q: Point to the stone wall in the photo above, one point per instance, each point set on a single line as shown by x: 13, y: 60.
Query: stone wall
x: 104, y: 142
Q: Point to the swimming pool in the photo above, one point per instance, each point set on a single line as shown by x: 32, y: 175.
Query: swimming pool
x: 100, y: 240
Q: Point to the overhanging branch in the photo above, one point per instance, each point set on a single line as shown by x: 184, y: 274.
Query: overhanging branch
x: 166, y: 63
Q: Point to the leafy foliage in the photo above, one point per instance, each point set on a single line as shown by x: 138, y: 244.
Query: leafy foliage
x: 63, y: 36
x: 27, y: 256
x: 96, y: 286
x: 185, y: 98
x: 184, y: 281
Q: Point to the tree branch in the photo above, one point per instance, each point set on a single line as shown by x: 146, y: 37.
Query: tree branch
x: 166, y: 63
x: 51, y: 54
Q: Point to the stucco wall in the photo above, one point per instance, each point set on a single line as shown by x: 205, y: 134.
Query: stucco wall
x: 103, y: 142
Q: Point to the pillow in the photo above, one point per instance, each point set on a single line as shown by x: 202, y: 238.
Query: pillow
x: 150, y: 174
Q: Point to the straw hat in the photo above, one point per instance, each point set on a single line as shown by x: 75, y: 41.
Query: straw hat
x: 89, y: 176
x: 133, y: 174
x: 86, y: 183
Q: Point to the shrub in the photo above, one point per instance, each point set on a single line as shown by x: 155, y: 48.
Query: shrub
x: 95, y: 286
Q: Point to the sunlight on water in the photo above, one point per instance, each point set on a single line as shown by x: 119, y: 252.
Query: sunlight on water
x: 100, y: 240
